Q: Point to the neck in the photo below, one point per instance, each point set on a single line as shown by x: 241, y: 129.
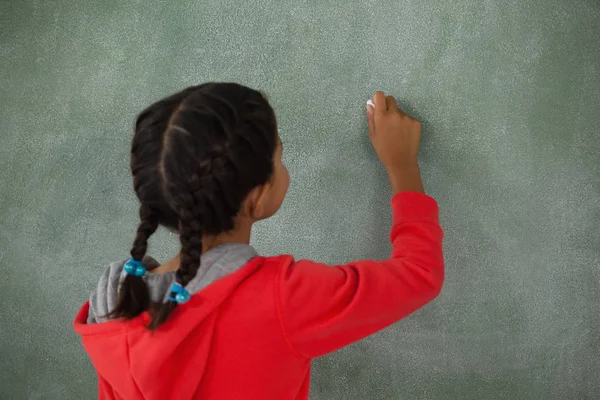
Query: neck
x: 240, y: 234
x: 237, y: 235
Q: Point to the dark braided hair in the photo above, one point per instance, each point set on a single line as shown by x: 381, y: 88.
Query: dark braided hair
x: 195, y: 157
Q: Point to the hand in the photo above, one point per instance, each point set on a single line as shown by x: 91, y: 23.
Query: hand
x: 395, y: 137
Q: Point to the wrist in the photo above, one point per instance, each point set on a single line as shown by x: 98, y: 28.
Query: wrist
x: 400, y: 166
x: 405, y: 177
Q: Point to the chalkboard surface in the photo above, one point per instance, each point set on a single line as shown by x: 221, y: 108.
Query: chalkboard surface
x: 509, y: 96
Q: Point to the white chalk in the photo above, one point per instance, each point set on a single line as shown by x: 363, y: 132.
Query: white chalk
x: 370, y: 103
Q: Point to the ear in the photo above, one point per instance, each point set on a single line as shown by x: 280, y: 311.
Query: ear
x: 255, y: 204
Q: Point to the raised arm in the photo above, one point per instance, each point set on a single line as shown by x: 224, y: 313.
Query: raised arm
x: 323, y: 308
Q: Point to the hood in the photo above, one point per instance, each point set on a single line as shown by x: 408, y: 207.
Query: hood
x: 129, y: 358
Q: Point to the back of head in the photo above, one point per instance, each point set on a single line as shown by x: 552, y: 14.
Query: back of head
x: 195, y: 157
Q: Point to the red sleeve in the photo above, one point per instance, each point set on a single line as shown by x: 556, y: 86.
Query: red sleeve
x: 323, y: 308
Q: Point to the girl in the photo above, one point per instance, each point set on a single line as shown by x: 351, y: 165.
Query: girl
x: 219, y: 321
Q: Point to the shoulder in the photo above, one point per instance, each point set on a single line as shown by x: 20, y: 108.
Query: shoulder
x: 276, y: 263
x: 267, y: 267
x: 285, y: 268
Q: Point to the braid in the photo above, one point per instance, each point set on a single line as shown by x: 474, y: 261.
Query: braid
x: 191, y: 248
x: 190, y: 234
x: 134, y: 297
x: 148, y: 225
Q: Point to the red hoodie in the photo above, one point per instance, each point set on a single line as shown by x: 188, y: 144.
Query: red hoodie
x: 253, y: 333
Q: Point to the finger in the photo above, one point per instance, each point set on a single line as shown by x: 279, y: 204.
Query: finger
x: 401, y: 111
x: 371, y: 119
x: 380, y: 103
x: 391, y: 103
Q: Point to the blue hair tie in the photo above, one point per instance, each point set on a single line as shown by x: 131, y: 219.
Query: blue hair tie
x: 135, y: 268
x: 179, y: 294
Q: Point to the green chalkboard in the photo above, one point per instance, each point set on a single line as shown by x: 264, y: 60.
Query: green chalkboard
x: 509, y: 96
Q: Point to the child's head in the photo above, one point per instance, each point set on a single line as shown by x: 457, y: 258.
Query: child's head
x: 203, y: 161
